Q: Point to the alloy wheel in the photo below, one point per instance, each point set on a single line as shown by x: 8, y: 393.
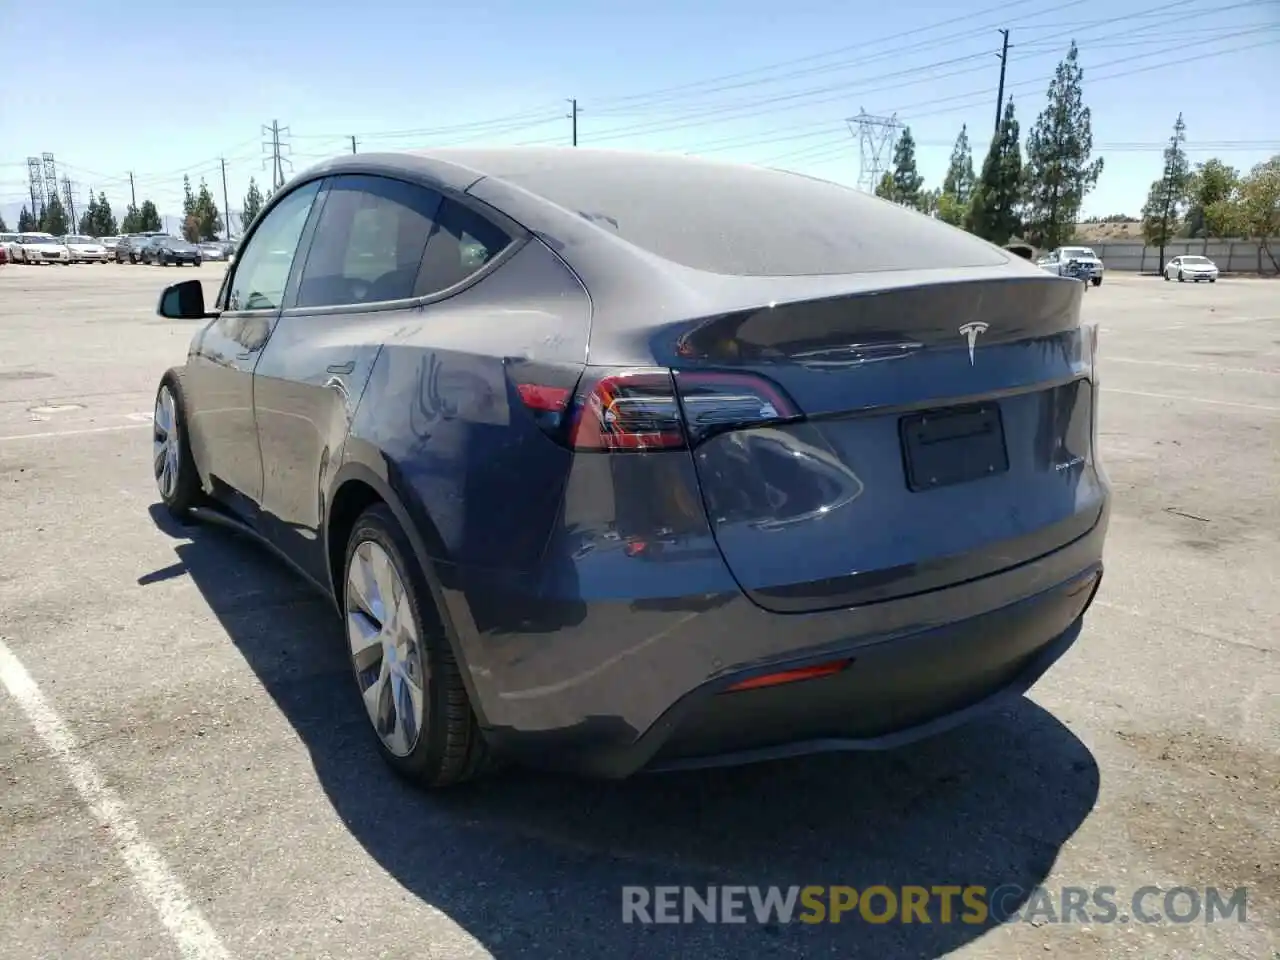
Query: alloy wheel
x: 165, y: 444
x: 386, y: 652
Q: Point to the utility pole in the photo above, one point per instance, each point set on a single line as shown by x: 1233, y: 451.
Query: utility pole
x: 278, y: 161
x: 133, y: 197
x: 353, y: 143
x: 1171, y: 163
x: 1004, y: 61
x: 226, y: 203
x: 573, y: 115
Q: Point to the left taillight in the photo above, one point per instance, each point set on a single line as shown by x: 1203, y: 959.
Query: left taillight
x: 644, y: 409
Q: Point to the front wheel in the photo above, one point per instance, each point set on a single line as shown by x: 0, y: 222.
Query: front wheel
x: 1097, y: 281
x: 172, y: 464
x: 403, y: 664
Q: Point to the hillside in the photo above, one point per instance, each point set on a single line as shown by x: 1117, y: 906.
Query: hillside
x: 1101, y: 232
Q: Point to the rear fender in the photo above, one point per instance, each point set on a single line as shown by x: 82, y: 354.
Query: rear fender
x: 364, y: 464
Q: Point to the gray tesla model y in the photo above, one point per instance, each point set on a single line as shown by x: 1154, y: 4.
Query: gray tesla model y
x: 615, y: 462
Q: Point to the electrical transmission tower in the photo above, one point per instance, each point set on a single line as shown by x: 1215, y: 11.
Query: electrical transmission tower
x: 275, y: 145
x: 877, y: 136
x: 50, y: 179
x: 35, y: 173
x: 69, y: 202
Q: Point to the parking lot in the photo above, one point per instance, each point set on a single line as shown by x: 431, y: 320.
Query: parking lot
x: 185, y: 769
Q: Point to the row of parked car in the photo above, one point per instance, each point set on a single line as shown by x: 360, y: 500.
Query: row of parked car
x: 154, y: 247
x: 1088, y: 265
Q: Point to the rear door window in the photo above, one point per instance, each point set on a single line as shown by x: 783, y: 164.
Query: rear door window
x: 368, y: 243
x: 463, y: 243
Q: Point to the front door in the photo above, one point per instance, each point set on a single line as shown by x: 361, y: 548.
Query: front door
x: 219, y: 374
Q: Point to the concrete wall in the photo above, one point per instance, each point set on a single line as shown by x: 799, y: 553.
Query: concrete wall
x: 1231, y: 256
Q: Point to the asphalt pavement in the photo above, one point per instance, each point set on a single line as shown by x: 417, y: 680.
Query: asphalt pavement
x: 185, y: 770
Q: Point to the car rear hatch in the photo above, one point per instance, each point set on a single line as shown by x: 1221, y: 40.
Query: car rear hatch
x: 860, y: 448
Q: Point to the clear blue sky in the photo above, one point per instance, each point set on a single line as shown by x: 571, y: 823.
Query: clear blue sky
x: 170, y: 87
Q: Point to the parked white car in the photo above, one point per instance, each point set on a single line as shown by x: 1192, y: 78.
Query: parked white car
x: 85, y: 250
x: 212, y: 250
x: 7, y: 242
x: 40, y: 248
x: 1191, y: 268
x: 1056, y: 262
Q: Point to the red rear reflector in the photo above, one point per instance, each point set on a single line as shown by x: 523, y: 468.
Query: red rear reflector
x: 791, y: 676
x: 544, y: 399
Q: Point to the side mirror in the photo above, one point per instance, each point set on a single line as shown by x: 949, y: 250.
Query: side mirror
x: 182, y: 301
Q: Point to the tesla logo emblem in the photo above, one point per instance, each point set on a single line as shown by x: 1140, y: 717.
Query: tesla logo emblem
x: 970, y: 332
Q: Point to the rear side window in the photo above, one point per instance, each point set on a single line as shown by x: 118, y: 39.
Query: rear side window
x: 463, y: 243
x: 369, y: 242
x: 740, y: 220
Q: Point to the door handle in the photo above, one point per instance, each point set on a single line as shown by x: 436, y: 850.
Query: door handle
x: 347, y: 367
x: 248, y: 355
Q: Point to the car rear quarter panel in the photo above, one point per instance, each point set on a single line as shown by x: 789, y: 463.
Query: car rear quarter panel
x: 443, y: 427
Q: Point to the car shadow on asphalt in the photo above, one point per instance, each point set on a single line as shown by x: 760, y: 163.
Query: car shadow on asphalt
x: 534, y: 865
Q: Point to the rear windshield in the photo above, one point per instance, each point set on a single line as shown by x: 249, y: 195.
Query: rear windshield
x: 743, y: 221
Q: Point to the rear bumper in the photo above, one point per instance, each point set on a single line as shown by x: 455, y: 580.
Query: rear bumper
x: 612, y: 687
x: 892, y: 692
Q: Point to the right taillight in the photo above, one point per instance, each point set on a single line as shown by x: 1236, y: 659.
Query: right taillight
x: 627, y: 410
x: 617, y: 410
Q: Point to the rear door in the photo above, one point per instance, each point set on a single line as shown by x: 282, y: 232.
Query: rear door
x: 926, y: 435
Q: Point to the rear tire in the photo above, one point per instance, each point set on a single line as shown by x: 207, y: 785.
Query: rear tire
x: 398, y: 648
x: 173, y: 466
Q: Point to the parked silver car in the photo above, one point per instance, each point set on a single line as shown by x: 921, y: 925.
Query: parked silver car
x: 85, y: 249
x: 1192, y: 268
x: 1057, y: 261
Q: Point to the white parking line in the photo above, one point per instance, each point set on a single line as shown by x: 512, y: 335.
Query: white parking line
x: 188, y: 927
x: 72, y: 433
x: 1201, y: 324
x: 1191, y: 366
x: 1169, y: 396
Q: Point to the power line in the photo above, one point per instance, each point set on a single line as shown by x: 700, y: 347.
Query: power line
x: 812, y: 96
x: 971, y: 98
x: 877, y: 42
